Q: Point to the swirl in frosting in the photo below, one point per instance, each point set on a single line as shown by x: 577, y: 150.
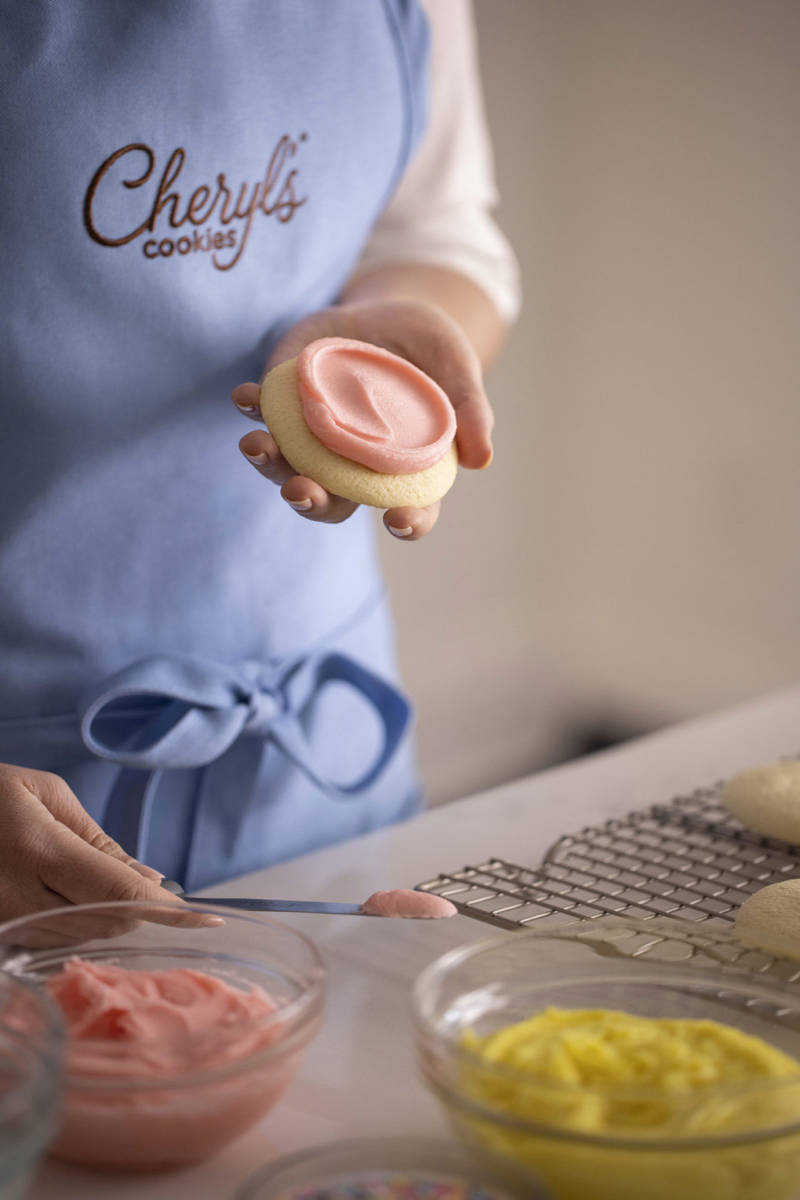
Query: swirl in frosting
x: 126, y: 1023
x: 373, y: 407
x: 164, y: 1067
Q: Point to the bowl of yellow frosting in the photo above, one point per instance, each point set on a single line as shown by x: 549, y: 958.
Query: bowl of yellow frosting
x: 616, y: 1075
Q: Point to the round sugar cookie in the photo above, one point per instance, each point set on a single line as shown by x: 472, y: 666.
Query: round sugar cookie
x: 769, y: 920
x: 767, y: 800
x: 283, y: 416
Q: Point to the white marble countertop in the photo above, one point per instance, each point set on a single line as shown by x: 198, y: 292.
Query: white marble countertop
x: 359, y: 1077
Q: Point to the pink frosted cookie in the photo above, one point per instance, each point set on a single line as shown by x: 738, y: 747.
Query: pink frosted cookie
x: 364, y: 423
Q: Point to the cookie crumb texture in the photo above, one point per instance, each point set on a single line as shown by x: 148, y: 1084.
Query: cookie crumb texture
x: 769, y: 920
x: 767, y: 800
x: 283, y: 415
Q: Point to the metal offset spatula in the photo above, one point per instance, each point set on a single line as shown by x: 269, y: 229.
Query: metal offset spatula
x: 251, y: 904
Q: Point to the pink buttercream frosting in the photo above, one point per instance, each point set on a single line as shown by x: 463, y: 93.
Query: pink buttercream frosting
x: 404, y: 903
x: 134, y: 1036
x: 373, y: 407
x: 154, y: 1023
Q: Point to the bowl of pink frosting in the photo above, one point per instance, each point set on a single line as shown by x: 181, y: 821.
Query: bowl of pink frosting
x: 180, y: 1036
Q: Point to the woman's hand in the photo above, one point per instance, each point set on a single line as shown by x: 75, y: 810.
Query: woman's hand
x: 417, y: 330
x: 52, y: 853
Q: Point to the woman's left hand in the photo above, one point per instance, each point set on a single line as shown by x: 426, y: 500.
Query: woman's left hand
x: 425, y: 335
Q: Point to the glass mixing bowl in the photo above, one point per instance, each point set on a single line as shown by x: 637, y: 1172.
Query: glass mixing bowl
x: 189, y: 1088
x: 31, y: 1040
x: 721, y: 1142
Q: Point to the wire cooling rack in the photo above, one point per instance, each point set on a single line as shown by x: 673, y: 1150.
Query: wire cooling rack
x: 687, y: 860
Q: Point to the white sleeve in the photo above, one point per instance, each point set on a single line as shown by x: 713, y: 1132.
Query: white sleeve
x: 441, y: 209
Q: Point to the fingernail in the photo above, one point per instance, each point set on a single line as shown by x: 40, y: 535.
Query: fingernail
x: 212, y: 922
x: 401, y: 533
x: 258, y: 460
x: 299, y: 505
x: 246, y: 408
x: 148, y: 872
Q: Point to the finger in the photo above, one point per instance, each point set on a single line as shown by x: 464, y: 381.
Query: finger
x: 20, y: 898
x: 69, y: 926
x: 47, y: 919
x: 62, y: 803
x: 245, y: 397
x: 83, y: 875
x: 474, y: 423
x: 310, y: 500
x: 261, y: 451
x: 72, y: 929
x: 31, y: 902
x: 411, y: 524
x: 305, y: 496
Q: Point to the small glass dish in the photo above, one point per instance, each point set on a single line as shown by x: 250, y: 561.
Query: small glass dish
x: 389, y: 1169
x: 149, y: 1084
x: 31, y: 1043
x: 718, y: 1142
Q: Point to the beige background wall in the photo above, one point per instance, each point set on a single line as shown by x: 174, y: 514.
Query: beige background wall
x: 633, y: 551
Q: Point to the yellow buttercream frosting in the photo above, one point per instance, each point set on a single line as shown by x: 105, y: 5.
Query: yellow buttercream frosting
x: 623, y: 1079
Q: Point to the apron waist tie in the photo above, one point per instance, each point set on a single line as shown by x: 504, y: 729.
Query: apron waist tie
x: 167, y: 713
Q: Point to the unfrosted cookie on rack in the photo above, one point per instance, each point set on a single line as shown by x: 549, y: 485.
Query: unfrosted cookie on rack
x: 767, y: 800
x: 769, y: 920
x: 363, y: 423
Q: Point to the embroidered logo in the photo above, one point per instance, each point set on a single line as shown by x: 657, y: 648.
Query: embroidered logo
x: 226, y: 213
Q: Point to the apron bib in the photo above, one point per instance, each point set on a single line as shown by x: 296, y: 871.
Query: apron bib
x: 189, y: 180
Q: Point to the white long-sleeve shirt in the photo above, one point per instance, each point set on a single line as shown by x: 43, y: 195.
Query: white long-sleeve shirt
x: 441, y: 211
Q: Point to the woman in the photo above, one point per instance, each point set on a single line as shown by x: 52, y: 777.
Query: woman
x: 197, y: 673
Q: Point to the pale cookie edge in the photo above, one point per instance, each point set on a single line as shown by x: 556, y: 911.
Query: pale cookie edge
x: 282, y: 412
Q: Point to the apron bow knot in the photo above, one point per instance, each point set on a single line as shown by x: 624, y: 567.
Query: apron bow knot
x: 163, y: 714
x: 264, y: 708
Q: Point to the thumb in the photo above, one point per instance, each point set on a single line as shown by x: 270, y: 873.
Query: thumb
x: 474, y: 422
x: 62, y: 803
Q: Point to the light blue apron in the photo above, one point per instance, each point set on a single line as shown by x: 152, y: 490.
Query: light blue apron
x: 183, y: 180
